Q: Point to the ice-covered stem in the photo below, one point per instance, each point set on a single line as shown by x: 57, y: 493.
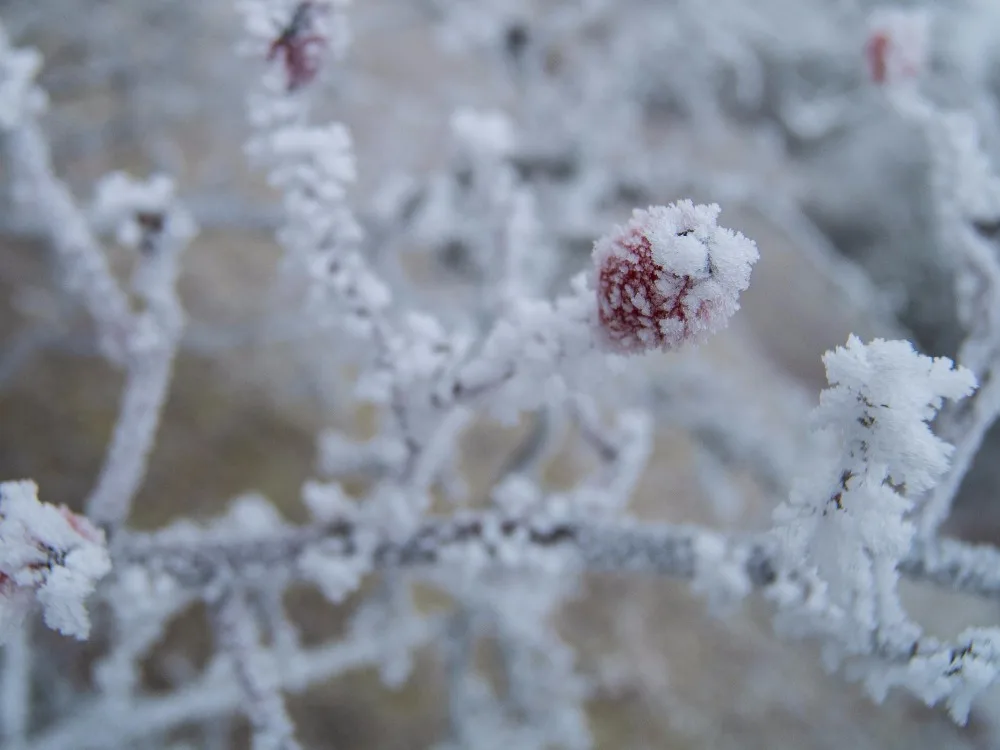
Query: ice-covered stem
x: 848, y: 520
x: 949, y: 564
x: 543, y: 694
x: 529, y: 346
x: 256, y: 673
x: 846, y: 528
x: 193, y: 557
x: 483, y: 205
x: 609, y: 547
x: 49, y: 556
x: 103, y: 723
x: 27, y: 158
x: 954, y: 673
x: 145, y: 216
x: 540, y: 704
x: 313, y: 165
x: 125, y: 462
x: 140, y: 604
x: 623, y: 449
x: 379, y: 616
x: 142, y: 215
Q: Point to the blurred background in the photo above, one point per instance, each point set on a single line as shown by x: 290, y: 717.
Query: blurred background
x: 760, y: 105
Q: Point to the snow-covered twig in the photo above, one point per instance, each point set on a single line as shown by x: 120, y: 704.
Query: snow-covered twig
x: 145, y: 217
x: 256, y: 674
x: 27, y: 156
x: 99, y: 725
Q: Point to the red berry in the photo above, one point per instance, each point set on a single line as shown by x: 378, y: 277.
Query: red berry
x: 668, y: 277
x: 896, y: 47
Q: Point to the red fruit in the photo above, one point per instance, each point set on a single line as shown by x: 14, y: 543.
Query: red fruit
x: 896, y: 47
x: 668, y: 277
x: 876, y: 52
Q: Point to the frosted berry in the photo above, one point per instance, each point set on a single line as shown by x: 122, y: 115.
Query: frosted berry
x: 670, y: 276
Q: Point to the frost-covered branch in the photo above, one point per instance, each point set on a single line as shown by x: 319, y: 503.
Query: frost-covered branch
x: 26, y: 154
x: 101, y: 724
x: 145, y: 217
x: 256, y: 673
x: 964, y: 568
x: 477, y: 539
x: 653, y: 549
x: 848, y: 525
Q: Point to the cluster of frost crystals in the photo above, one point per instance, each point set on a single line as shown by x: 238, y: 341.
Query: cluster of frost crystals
x: 896, y: 49
x: 133, y: 209
x: 848, y: 522
x: 414, y: 357
x: 48, y: 554
x: 336, y: 566
x: 956, y: 675
x: 720, y: 573
x: 313, y: 165
x: 142, y: 602
x: 535, y: 352
x: 20, y: 98
x: 670, y: 276
x: 334, y: 572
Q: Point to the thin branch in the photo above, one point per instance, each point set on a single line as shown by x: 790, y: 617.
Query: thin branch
x: 85, y: 267
x: 655, y: 549
x: 150, y: 365
x: 256, y: 672
x: 103, y: 724
x: 949, y: 564
x: 135, y: 432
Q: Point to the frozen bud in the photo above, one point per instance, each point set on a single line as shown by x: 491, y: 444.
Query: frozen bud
x: 670, y: 276
x: 896, y: 49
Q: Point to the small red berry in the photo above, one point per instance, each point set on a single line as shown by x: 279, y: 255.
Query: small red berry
x: 668, y: 277
x: 876, y: 52
x: 896, y: 47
